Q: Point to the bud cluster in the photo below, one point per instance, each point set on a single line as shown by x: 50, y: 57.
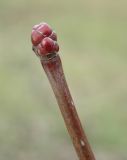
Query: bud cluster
x: 44, y: 39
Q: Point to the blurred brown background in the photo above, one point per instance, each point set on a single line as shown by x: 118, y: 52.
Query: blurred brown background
x: 93, y: 47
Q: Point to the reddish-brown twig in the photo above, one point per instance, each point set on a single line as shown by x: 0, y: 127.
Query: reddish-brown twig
x: 50, y: 60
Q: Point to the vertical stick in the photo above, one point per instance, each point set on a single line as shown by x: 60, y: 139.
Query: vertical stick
x: 45, y: 46
x: 54, y: 71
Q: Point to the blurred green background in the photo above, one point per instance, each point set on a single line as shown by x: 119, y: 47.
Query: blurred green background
x: 93, y: 48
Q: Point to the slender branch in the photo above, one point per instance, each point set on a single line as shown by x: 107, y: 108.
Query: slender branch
x: 46, y: 48
x: 54, y: 71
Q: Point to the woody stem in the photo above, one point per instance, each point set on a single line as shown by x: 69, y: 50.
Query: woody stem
x: 54, y: 71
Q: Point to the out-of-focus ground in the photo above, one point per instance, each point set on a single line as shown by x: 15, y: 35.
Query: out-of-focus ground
x: 93, y: 47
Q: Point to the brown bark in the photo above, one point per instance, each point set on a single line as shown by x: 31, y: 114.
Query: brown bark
x: 53, y: 69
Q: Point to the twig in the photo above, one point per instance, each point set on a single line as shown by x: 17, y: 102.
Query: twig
x: 50, y: 60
